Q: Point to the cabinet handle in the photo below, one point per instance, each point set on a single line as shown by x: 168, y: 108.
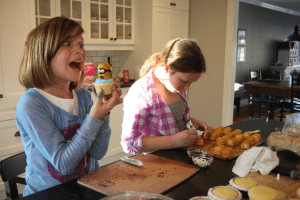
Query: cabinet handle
x: 174, y: 4
x: 171, y: 4
x: 17, y: 134
x: 115, y: 38
x: 1, y: 95
x: 111, y: 38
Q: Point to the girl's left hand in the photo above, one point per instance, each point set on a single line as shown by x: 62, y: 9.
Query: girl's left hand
x: 103, y: 105
x: 200, y: 125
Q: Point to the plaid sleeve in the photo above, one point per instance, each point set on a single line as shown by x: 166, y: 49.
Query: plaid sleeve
x: 136, y: 110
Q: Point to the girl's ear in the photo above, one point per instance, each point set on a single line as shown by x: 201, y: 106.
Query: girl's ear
x: 167, y: 68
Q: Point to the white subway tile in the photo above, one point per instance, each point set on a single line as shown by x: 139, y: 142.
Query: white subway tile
x: 111, y: 53
x: 99, y: 59
x: 89, y: 59
x: 114, y: 58
x: 101, y: 53
x: 91, y: 53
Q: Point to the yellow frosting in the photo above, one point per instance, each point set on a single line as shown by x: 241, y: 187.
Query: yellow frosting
x: 245, y: 182
x: 265, y: 193
x: 225, y: 192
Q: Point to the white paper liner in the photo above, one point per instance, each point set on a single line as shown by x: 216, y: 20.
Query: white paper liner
x: 245, y: 189
x: 200, y: 197
x: 210, y: 194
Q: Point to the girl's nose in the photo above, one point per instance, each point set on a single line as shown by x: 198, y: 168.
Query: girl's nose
x: 79, y: 50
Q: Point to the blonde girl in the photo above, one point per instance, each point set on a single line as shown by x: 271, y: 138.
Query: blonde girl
x: 155, y: 109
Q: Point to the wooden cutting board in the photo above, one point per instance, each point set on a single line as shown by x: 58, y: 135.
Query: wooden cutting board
x: 285, y: 184
x: 157, y: 175
x: 210, y: 145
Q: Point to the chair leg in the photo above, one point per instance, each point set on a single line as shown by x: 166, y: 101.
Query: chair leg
x: 11, y: 190
x: 271, y: 114
x: 259, y: 110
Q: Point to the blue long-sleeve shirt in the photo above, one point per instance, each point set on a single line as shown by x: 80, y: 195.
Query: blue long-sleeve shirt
x: 59, y: 146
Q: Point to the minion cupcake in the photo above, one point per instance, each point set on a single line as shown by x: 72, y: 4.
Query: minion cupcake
x: 104, y: 79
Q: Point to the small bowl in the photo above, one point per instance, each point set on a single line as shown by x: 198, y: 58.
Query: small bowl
x: 202, y: 161
x: 197, y: 151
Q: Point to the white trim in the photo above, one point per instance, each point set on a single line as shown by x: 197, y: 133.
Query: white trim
x: 230, y: 61
x: 272, y: 7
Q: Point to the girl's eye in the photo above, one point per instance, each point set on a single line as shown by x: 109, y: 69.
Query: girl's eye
x: 81, y: 45
x: 67, y: 43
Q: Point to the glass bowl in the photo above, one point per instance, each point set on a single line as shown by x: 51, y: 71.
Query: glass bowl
x: 193, y: 151
x: 202, y: 161
x: 132, y: 195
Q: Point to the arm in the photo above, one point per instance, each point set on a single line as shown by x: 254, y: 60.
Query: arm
x: 181, y: 139
x: 39, y: 128
x: 100, y: 145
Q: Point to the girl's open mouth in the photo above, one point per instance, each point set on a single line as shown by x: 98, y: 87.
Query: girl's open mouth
x: 76, y: 64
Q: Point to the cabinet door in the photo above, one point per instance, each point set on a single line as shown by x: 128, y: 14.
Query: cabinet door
x: 172, y: 4
x: 179, y: 24
x: 123, y: 18
x: 167, y: 25
x: 160, y: 28
x: 43, y: 9
x: 99, y: 20
x: 73, y: 9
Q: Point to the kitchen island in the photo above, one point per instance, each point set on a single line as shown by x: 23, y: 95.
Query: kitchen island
x: 218, y: 173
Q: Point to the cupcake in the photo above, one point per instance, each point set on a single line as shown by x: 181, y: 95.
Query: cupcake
x: 104, y: 79
x: 265, y: 193
x: 224, y: 193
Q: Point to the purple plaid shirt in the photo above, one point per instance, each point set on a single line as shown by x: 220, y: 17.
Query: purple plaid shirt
x: 146, y: 114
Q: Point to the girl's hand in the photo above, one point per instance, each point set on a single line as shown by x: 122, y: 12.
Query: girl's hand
x: 185, y: 138
x: 207, y: 129
x: 103, y: 105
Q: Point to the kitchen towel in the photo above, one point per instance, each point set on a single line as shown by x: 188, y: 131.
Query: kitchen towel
x: 261, y: 159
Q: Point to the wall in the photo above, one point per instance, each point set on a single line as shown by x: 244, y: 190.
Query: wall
x: 264, y: 28
x: 212, y: 25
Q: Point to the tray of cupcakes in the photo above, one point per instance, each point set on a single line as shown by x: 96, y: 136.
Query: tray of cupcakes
x: 227, y: 144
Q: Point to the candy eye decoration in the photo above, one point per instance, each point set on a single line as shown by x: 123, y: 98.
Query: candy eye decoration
x: 102, y: 71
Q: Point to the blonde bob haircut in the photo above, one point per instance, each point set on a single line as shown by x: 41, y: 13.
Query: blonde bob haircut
x: 41, y: 44
x: 183, y: 55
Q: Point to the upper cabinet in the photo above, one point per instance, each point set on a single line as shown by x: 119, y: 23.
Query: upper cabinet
x: 104, y: 21
x: 172, y: 4
x: 168, y: 23
x: 110, y: 22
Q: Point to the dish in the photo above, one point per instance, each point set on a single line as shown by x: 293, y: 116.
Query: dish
x: 224, y: 193
x: 202, y: 161
x: 192, y: 152
x: 131, y: 195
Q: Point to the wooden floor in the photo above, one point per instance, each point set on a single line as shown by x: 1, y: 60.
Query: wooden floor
x: 245, y: 114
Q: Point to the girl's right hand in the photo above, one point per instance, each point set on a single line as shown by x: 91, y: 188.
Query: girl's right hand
x: 101, y: 106
x: 185, y: 138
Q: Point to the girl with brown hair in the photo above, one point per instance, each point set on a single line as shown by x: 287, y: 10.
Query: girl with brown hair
x: 156, y: 104
x: 63, y: 131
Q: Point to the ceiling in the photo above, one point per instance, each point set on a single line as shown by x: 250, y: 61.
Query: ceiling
x: 287, y: 4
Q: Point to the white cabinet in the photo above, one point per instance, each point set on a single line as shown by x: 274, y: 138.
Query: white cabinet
x: 47, y: 9
x: 172, y: 4
x: 14, y: 28
x: 110, y: 22
x: 104, y: 21
x: 168, y: 24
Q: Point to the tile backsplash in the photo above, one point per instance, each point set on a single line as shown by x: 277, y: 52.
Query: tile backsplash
x: 97, y: 57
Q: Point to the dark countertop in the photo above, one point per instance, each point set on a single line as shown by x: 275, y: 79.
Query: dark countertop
x: 218, y: 173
